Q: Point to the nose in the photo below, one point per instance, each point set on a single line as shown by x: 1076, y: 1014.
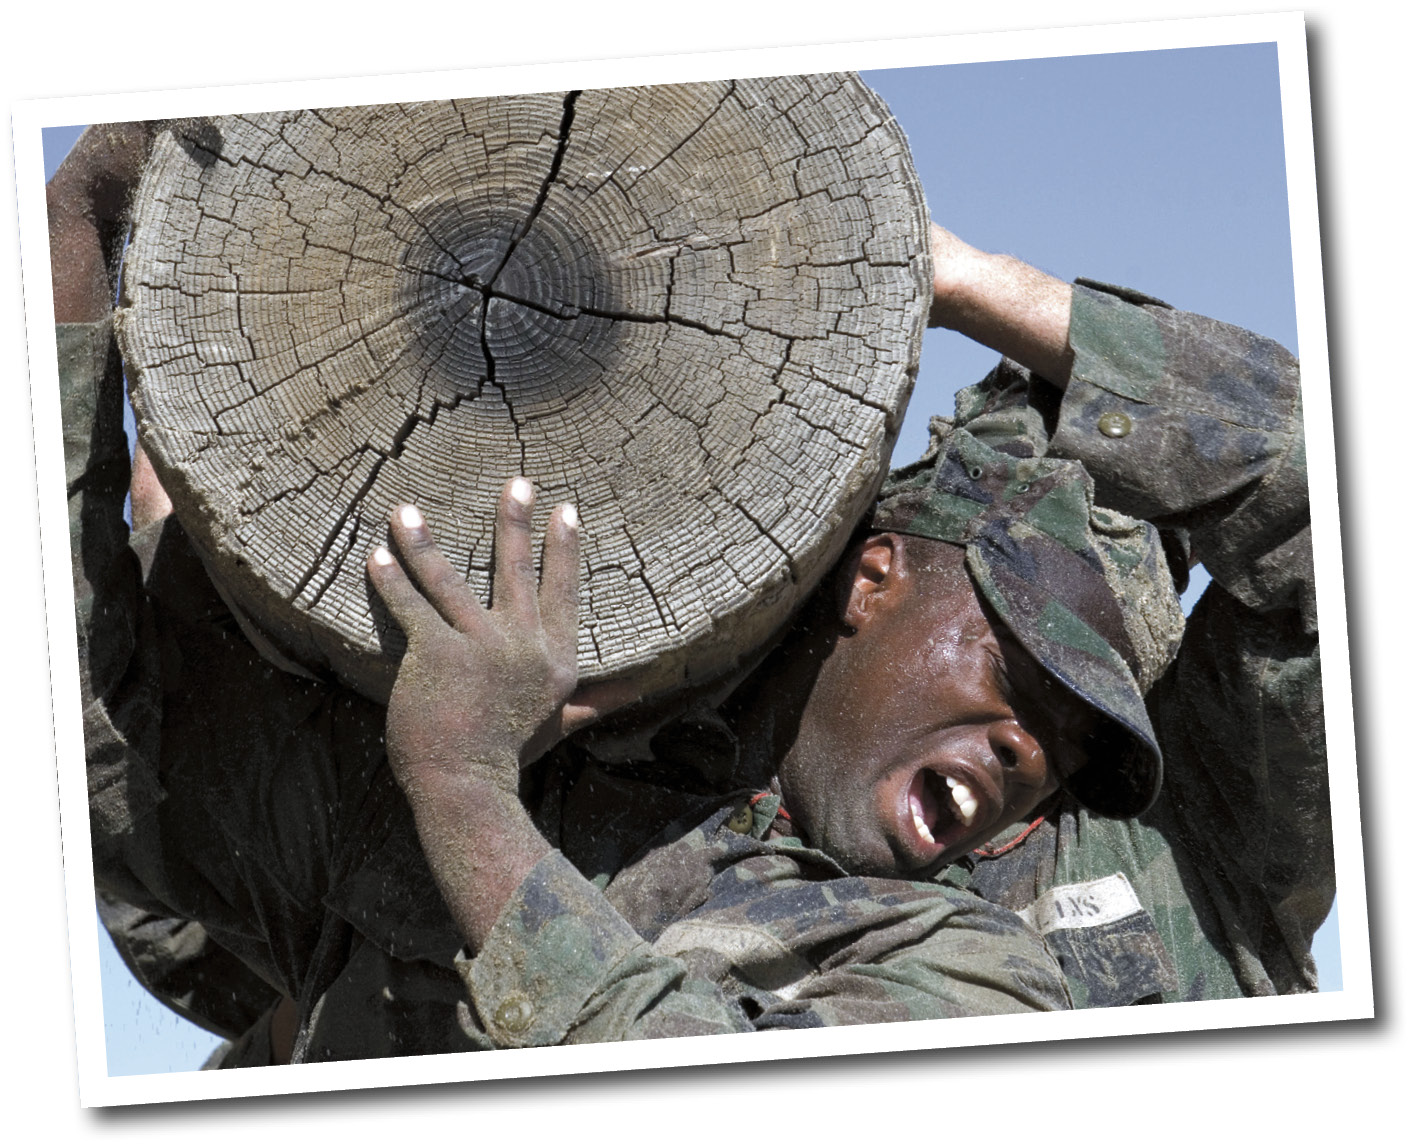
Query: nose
x: 1019, y: 753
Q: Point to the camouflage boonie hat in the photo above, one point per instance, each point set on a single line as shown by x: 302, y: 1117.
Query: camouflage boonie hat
x: 1085, y: 590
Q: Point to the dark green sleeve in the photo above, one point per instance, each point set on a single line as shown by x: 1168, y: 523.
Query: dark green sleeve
x: 222, y: 792
x: 119, y: 674
x: 1197, y: 426
x: 121, y: 695
x: 563, y: 966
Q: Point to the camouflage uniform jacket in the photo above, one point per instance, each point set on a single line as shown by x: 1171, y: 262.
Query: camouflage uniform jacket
x: 1216, y: 891
x: 720, y: 926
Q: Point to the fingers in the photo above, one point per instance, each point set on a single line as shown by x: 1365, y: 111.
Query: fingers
x: 592, y: 702
x: 412, y: 611
x: 516, y: 586
x: 445, y: 587
x: 558, y: 593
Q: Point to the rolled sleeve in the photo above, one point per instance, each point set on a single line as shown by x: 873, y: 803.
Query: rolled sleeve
x: 556, y: 946
x: 1195, y: 424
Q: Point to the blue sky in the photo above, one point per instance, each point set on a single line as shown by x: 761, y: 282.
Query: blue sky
x: 1157, y: 170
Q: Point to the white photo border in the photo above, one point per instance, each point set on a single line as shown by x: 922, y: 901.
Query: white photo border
x: 1285, y: 30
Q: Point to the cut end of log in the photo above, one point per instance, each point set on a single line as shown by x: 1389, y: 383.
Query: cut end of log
x: 692, y: 311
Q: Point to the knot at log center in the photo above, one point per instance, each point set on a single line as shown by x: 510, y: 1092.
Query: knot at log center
x: 519, y: 301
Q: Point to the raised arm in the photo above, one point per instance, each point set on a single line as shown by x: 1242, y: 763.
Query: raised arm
x: 1002, y: 303
x: 168, y: 686
x: 1181, y: 420
x: 88, y: 201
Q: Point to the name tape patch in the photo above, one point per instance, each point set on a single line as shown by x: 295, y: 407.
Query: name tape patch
x: 1079, y: 905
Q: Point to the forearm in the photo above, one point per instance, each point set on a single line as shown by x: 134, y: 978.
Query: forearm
x: 80, y: 276
x: 1002, y: 303
x: 480, y: 844
x: 1183, y: 421
x: 480, y: 694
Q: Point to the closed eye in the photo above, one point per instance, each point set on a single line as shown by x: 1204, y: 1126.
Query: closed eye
x: 999, y: 677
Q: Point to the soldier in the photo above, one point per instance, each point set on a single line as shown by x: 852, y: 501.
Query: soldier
x: 964, y: 703
x: 955, y: 725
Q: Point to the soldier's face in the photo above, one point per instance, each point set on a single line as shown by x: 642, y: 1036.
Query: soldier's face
x: 929, y: 729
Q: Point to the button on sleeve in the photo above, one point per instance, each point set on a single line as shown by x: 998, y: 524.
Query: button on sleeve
x: 553, y: 947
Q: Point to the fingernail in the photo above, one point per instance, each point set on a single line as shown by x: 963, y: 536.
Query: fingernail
x: 411, y: 517
x: 380, y: 556
x: 521, y: 491
x: 570, y: 516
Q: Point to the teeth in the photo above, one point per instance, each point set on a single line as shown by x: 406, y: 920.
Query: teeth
x: 966, y: 807
x: 965, y: 801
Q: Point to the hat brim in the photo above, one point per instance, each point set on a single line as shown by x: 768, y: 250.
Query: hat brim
x: 1121, y: 776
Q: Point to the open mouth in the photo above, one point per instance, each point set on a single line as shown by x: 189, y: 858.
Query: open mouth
x: 944, y: 809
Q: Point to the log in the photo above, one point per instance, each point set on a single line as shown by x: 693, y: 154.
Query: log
x: 694, y: 311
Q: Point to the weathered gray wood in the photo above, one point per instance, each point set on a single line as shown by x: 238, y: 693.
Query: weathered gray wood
x: 695, y: 311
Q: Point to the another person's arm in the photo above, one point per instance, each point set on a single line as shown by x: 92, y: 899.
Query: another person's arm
x: 1003, y: 303
x: 1182, y: 420
x: 148, y: 620
x: 87, y: 203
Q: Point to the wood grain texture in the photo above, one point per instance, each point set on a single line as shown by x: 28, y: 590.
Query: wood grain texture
x: 694, y: 311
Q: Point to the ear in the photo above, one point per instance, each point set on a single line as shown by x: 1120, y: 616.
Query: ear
x: 875, y: 576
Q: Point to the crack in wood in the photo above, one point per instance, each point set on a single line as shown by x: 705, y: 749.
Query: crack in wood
x: 646, y: 582
x: 332, y: 536
x: 339, y: 560
x: 570, y: 103
x: 685, y: 139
